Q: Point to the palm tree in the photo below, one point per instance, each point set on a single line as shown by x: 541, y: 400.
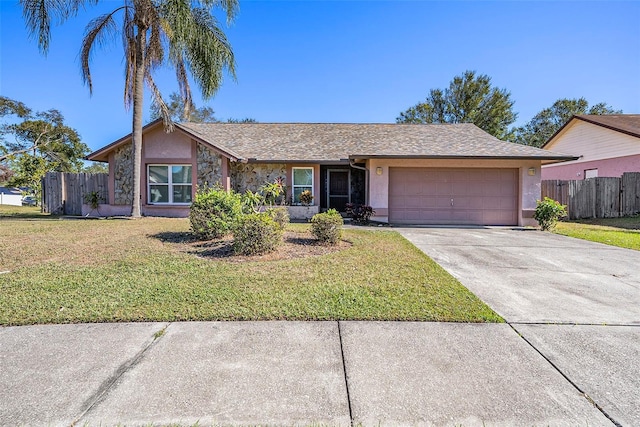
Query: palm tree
x: 181, y: 33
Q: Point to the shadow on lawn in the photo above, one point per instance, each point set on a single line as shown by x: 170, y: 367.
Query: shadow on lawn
x: 294, y: 245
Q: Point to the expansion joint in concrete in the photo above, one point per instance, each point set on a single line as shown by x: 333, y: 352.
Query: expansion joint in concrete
x: 586, y: 396
x: 344, y: 371
x: 107, y: 384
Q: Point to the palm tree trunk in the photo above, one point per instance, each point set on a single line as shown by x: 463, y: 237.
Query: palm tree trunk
x: 136, y: 134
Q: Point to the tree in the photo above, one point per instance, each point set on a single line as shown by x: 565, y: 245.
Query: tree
x: 33, y: 143
x: 96, y: 167
x: 548, y: 121
x: 245, y: 120
x: 470, y: 98
x: 179, y: 112
x: 181, y: 33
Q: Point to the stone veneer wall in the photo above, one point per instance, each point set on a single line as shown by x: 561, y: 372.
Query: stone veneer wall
x: 123, y: 175
x: 250, y: 176
x: 209, y: 167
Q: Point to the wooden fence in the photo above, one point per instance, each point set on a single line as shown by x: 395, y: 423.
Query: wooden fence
x: 597, y: 197
x: 63, y: 193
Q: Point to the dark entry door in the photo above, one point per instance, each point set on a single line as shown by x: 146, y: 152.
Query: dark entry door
x: 338, y: 189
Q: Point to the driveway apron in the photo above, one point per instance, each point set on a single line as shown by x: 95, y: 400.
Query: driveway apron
x: 577, y: 303
x: 530, y: 276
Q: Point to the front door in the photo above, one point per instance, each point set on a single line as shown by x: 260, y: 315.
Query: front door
x: 338, y: 189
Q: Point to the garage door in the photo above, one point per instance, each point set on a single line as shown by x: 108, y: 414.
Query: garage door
x: 453, y: 196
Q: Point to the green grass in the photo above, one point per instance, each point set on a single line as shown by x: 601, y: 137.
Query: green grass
x: 621, y: 232
x: 7, y: 211
x: 69, y: 271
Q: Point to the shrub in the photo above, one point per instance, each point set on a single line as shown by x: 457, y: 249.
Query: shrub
x: 280, y: 216
x: 548, y: 212
x: 361, y: 214
x: 327, y: 227
x: 256, y: 234
x: 306, y: 198
x: 251, y: 202
x: 214, y: 212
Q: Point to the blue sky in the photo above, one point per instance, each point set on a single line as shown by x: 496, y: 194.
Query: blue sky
x: 352, y: 61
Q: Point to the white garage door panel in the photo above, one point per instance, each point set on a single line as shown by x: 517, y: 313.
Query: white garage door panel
x: 453, y: 196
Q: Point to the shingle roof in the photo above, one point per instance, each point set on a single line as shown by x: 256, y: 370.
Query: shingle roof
x: 330, y: 142
x: 626, y: 123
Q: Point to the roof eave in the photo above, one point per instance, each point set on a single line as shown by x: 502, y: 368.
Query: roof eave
x: 97, y: 156
x: 419, y: 156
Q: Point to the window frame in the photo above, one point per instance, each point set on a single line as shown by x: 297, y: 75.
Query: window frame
x: 294, y: 186
x: 169, y: 184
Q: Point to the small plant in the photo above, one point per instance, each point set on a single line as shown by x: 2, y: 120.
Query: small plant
x: 306, y: 198
x: 252, y: 202
x: 360, y: 214
x: 327, y: 227
x: 280, y: 215
x: 271, y: 191
x: 93, y: 199
x: 255, y: 234
x: 214, y: 212
x: 548, y: 212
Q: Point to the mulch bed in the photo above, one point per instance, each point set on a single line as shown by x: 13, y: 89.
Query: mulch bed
x: 295, y: 245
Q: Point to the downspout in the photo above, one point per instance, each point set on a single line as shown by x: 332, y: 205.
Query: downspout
x: 366, y: 180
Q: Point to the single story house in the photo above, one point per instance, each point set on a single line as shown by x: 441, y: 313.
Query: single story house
x: 607, y: 145
x: 409, y: 174
x: 10, y: 196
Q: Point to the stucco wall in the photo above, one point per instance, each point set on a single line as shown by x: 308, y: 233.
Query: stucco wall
x: 606, y: 167
x: 250, y: 176
x: 159, y: 144
x: 529, y: 186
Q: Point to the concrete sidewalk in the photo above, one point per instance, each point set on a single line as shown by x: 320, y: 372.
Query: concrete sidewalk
x: 282, y: 373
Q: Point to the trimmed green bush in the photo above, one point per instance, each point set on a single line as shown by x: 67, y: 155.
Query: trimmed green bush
x: 280, y: 216
x: 214, y: 212
x: 327, y: 227
x: 256, y: 234
x: 548, y: 212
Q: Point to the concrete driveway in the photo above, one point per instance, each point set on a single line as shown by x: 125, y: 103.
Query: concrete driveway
x: 528, y: 276
x: 577, y: 303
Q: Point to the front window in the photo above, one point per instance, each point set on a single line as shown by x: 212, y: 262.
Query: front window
x: 169, y: 184
x: 302, y: 181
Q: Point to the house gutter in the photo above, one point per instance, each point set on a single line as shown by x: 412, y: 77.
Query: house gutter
x: 366, y: 180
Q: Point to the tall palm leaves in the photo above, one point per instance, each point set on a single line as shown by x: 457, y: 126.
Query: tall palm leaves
x: 181, y: 33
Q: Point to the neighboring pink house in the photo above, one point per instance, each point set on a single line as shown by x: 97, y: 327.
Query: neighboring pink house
x: 608, y: 146
x: 410, y: 174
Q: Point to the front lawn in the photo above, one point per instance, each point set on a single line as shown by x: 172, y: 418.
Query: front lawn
x: 67, y: 271
x: 621, y: 232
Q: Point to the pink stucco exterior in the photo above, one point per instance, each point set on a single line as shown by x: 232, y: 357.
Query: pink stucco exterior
x: 606, y: 167
x: 528, y: 185
x: 609, y: 151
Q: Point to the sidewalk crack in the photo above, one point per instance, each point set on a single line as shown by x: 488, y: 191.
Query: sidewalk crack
x: 344, y: 371
x: 108, y: 384
x: 583, y: 393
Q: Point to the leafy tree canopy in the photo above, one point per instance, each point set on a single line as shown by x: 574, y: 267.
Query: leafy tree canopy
x: 33, y: 143
x: 547, y: 122
x: 96, y: 167
x: 180, y: 113
x: 470, y: 98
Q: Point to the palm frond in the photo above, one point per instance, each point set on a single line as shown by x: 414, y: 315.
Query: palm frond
x: 165, y: 113
x: 98, y: 31
x: 37, y: 15
x: 204, y: 48
x: 231, y: 7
